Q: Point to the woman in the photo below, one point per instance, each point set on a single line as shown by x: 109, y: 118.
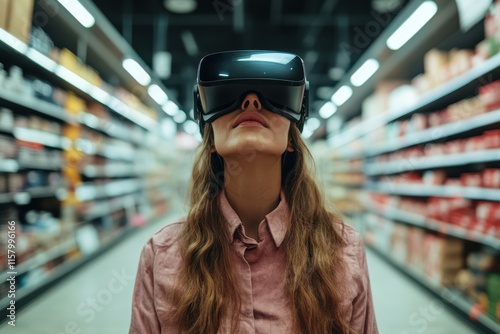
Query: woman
x: 258, y: 251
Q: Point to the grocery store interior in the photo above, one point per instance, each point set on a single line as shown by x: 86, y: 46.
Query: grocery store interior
x: 98, y: 136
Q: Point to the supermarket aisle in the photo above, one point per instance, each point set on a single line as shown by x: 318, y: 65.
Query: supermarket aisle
x: 97, y: 299
x: 402, y: 307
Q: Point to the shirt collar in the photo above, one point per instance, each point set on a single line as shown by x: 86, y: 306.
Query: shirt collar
x: 277, y: 220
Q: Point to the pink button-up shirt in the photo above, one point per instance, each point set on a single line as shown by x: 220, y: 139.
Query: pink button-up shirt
x: 261, y: 266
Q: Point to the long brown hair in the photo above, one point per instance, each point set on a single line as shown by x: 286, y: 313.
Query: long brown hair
x: 207, y: 289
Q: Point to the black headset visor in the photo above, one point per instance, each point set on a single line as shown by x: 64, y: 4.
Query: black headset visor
x: 225, y: 78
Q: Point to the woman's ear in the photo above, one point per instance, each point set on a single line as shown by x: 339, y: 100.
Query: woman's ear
x: 289, y: 147
x: 212, y: 149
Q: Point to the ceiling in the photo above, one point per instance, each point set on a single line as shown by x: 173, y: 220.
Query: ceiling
x: 330, y: 35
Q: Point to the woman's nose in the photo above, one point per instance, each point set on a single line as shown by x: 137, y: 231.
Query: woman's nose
x: 251, y: 101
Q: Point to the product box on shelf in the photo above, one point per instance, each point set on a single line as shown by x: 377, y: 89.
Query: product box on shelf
x: 491, y: 139
x: 493, y: 293
x: 443, y: 258
x: 465, y: 109
x: 414, y: 248
x: 436, y: 67
x: 460, y: 61
x: 491, y: 178
x: 492, y: 29
x: 481, y: 281
x: 4, y: 13
x: 489, y: 96
x: 19, y: 18
x: 399, y: 242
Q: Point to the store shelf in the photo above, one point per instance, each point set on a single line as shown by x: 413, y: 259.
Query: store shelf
x: 41, y: 258
x: 346, y: 184
x: 41, y: 137
x: 110, y: 151
x: 452, y: 298
x: 35, y: 104
x: 5, y: 129
x: 435, y: 225
x: 115, y: 153
x: 23, y: 294
x: 422, y: 190
x: 106, y: 208
x: 55, y: 166
x: 108, y: 127
x: 75, y: 81
x: 24, y: 197
x: 426, y: 101
x: 344, y: 168
x: 8, y: 166
x: 435, y: 133
x: 450, y: 160
x: 110, y: 170
x: 5, y: 198
x: 88, y: 192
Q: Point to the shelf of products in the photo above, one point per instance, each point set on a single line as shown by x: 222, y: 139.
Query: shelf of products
x: 75, y: 153
x: 425, y: 101
x: 453, y: 298
x: 409, y: 189
x: 428, y: 193
x: 396, y: 214
x: 435, y: 133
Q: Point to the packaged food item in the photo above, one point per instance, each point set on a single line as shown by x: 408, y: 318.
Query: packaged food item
x: 19, y: 18
x: 443, y: 258
x: 491, y: 178
x: 493, y: 292
x: 436, y: 67
x: 489, y: 96
x: 491, y: 139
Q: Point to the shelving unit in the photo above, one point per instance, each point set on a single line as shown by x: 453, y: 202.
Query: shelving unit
x: 437, y: 191
x: 452, y: 298
x: 450, y: 160
x: 435, y: 225
x: 105, y: 164
x: 408, y: 167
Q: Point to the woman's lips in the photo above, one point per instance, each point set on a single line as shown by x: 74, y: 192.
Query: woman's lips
x: 250, y: 119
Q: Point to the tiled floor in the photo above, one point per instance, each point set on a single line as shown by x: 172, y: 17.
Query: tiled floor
x: 96, y: 300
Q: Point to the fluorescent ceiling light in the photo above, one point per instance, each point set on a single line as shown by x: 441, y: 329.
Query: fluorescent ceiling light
x: 157, y: 94
x: 327, y: 110
x: 412, y: 25
x: 307, y: 133
x: 365, y: 72
x: 180, y: 117
x: 180, y: 6
x: 136, y: 71
x: 170, y: 108
x: 75, y: 8
x: 191, y: 127
x: 168, y: 128
x: 342, y: 95
x: 313, y: 123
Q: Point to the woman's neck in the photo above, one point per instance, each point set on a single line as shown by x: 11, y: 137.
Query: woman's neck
x: 252, y: 188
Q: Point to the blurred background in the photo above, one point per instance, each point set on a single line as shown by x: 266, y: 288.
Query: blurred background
x: 97, y: 139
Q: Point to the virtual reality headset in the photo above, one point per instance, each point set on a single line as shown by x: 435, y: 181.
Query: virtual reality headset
x: 224, y: 79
